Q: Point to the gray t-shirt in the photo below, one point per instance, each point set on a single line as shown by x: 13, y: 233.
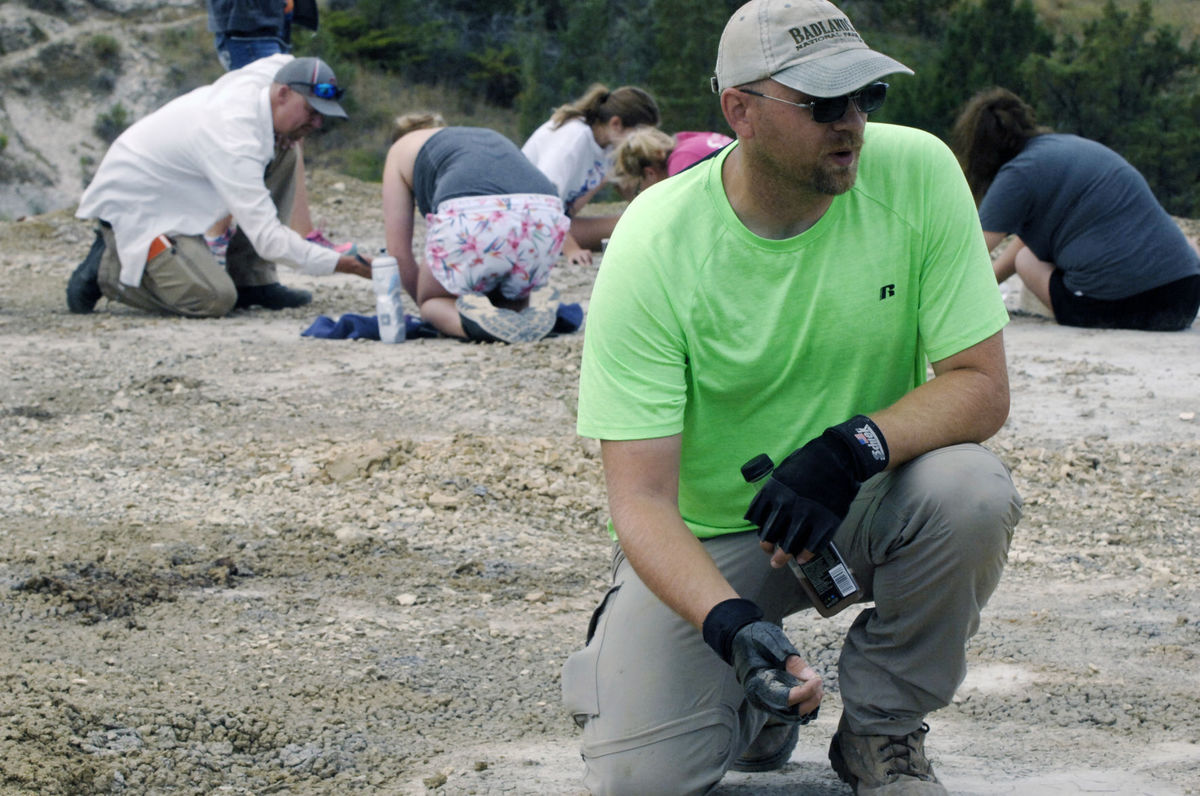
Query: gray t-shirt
x: 1081, y: 206
x: 472, y: 161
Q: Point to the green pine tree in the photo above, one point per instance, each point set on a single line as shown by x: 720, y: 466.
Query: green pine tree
x: 1131, y: 86
x: 686, y: 37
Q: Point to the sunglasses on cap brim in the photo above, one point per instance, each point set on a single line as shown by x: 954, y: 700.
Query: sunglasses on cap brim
x: 322, y: 90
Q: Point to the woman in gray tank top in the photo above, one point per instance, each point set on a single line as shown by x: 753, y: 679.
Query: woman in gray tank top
x: 494, y: 229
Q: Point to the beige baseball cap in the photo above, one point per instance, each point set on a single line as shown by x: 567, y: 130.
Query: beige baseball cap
x: 808, y: 45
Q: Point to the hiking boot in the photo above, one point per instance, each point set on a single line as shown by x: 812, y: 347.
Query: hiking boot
x: 274, y: 296
x: 484, y: 322
x: 83, y: 288
x: 884, y: 765
x: 771, y: 749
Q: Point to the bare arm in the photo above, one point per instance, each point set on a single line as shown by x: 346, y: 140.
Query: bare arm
x: 582, y: 200
x: 966, y: 401
x: 398, y: 206
x: 1004, y: 265
x: 354, y: 264
x: 643, y: 489
x: 576, y: 254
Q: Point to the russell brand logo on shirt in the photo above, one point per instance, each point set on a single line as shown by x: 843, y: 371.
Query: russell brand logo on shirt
x: 837, y: 27
x: 887, y: 291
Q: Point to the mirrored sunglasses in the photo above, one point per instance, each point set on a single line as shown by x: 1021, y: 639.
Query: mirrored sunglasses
x: 323, y: 90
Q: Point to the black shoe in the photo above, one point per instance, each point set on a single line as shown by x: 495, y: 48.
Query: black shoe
x: 83, y: 288
x: 273, y: 297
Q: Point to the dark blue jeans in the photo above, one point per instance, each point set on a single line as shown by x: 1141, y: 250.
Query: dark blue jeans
x: 235, y: 51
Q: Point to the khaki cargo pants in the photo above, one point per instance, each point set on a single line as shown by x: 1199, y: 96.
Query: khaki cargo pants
x: 661, y: 713
x: 186, y: 279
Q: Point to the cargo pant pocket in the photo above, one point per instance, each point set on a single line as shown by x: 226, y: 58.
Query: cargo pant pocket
x: 580, y: 690
x: 684, y: 755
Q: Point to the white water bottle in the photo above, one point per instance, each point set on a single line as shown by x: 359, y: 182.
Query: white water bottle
x: 385, y: 275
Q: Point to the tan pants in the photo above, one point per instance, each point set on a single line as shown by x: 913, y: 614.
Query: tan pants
x: 186, y: 279
x: 661, y: 713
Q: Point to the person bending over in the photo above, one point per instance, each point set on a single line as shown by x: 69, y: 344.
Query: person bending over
x: 649, y: 155
x: 574, y: 149
x: 244, y: 31
x: 494, y: 228
x: 224, y: 148
x: 1092, y: 243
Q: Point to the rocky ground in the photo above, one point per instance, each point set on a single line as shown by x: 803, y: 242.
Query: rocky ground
x: 236, y: 560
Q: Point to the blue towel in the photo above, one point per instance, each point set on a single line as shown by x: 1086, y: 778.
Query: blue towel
x: 366, y: 327
x: 347, y: 327
x: 570, y: 318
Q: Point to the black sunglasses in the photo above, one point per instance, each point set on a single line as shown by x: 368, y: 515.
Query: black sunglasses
x: 323, y: 90
x: 867, y: 99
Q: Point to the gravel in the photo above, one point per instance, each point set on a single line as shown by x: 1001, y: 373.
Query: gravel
x: 236, y: 560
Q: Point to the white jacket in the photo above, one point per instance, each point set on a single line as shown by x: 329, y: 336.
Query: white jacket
x: 191, y: 162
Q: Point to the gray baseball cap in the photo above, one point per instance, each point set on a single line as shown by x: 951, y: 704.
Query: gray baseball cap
x: 808, y: 45
x: 313, y: 78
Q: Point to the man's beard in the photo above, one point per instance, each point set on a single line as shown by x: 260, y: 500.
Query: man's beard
x: 834, y: 180
x: 831, y: 179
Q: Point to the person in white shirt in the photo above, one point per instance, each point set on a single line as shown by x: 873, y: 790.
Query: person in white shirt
x: 224, y: 148
x: 574, y: 149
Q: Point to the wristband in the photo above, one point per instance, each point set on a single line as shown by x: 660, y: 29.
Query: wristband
x: 724, y: 621
x: 865, y: 443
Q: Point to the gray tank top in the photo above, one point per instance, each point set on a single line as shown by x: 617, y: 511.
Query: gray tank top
x: 472, y: 161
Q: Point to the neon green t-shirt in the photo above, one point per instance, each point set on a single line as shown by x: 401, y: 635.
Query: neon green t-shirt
x: 744, y: 345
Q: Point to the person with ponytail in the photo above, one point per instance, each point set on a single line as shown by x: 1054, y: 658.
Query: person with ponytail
x: 574, y: 149
x: 1091, y: 241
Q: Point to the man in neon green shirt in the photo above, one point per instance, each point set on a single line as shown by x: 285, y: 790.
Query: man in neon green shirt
x: 784, y: 297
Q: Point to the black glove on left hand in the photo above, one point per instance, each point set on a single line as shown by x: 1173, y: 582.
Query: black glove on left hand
x: 808, y: 495
x: 758, y: 652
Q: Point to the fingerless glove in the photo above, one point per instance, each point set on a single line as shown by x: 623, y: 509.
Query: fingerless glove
x: 808, y: 495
